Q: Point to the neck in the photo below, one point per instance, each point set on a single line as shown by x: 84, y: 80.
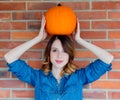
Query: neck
x: 56, y: 72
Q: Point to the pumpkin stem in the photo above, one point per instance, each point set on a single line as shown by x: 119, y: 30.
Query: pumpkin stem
x: 59, y: 4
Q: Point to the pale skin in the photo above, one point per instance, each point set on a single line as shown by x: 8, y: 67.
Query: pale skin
x: 59, y: 58
x: 16, y: 52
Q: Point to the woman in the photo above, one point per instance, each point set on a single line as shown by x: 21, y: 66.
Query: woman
x: 59, y: 78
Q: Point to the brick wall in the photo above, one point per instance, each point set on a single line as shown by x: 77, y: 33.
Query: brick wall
x: 100, y: 24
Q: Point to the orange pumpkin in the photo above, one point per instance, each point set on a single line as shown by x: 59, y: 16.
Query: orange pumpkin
x: 60, y: 20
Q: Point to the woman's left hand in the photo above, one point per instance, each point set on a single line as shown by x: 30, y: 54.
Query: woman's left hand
x: 76, y: 34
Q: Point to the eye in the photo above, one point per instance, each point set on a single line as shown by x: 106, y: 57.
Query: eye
x: 54, y: 50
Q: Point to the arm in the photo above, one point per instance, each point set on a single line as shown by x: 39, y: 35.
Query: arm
x: 99, y: 52
x: 15, y: 53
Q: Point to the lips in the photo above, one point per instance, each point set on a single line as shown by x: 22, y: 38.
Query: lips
x: 59, y: 61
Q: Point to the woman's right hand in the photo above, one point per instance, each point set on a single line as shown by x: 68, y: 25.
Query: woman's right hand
x: 42, y: 33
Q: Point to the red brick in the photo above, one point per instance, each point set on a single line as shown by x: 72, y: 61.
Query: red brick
x: 106, y: 85
x: 18, y: 25
x: 116, y: 54
x: 106, y: 5
x: 2, y: 53
x: 78, y: 46
x: 40, y: 5
x: 106, y: 24
x: 32, y: 54
x: 114, y: 75
x: 12, y: 6
x: 114, y: 15
x: 4, y: 45
x: 27, y: 15
x: 29, y: 86
x: 11, y: 84
x: 84, y: 54
x: 24, y: 35
x: 4, y: 93
x: 93, y: 34
x: 114, y: 35
x: 81, y: 64
x: 4, y: 0
x: 12, y: 25
x: 4, y: 74
x: 5, y: 16
x: 3, y: 63
x: 107, y: 44
x: 46, y: 6
x: 84, y: 25
x: 40, y: 45
x: 35, y: 64
x: 77, y: 5
x: 22, y: 93
x: 91, y: 15
x: 94, y: 95
x: 34, y: 25
x: 114, y: 95
x: 4, y: 35
x: 103, y: 77
x: 116, y: 64
x: 9, y: 45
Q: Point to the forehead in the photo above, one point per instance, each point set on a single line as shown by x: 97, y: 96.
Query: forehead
x: 57, y: 43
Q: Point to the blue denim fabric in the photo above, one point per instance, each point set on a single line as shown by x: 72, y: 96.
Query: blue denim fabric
x: 70, y: 86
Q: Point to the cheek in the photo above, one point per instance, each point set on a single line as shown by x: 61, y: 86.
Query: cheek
x: 66, y: 57
x: 52, y: 56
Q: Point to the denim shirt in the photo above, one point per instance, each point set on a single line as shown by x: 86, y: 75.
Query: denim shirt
x: 70, y: 86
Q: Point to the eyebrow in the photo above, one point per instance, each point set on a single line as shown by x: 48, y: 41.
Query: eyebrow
x: 54, y: 48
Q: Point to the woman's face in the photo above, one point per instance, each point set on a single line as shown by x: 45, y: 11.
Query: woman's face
x: 58, y: 57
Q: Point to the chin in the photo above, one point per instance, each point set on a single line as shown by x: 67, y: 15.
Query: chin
x: 60, y: 66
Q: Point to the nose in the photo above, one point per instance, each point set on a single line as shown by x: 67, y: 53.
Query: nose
x: 59, y: 54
